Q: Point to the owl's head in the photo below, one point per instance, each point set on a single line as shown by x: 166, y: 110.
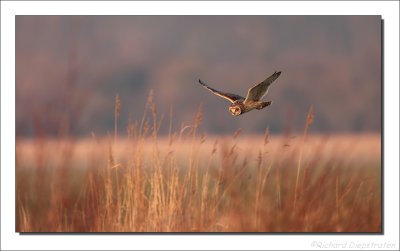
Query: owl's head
x: 235, y: 109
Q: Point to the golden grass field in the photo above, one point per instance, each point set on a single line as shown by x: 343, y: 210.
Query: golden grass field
x: 192, y: 182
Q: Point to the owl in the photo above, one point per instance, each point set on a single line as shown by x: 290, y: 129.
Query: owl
x: 252, y: 101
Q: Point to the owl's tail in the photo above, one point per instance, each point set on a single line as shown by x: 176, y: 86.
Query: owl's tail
x: 264, y: 104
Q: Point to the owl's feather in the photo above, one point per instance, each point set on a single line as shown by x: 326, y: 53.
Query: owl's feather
x: 257, y: 92
x: 229, y: 96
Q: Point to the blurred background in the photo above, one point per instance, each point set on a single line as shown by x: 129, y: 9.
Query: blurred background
x: 69, y: 69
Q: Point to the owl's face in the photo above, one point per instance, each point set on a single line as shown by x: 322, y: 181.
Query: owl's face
x: 235, y: 109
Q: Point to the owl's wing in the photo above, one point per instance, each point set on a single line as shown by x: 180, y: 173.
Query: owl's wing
x: 229, y: 96
x: 257, y: 92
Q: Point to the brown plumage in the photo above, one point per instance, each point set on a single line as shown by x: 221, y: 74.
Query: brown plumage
x: 252, y: 101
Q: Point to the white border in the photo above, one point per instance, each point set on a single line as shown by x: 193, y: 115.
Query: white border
x: 10, y: 240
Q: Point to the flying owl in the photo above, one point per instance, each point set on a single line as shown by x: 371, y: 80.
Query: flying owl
x: 252, y: 101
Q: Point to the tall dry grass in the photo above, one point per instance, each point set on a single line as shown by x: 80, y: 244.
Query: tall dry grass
x: 192, y: 182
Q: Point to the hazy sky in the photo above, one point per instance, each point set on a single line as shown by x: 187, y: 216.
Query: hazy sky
x: 69, y: 69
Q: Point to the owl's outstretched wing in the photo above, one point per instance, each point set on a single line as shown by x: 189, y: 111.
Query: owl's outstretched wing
x: 257, y: 92
x: 229, y: 96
